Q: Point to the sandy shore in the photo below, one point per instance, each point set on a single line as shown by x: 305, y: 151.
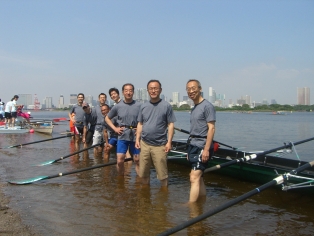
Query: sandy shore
x: 10, y: 221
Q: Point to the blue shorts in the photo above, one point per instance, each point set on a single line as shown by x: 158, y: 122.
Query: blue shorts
x: 113, y: 141
x: 123, y: 145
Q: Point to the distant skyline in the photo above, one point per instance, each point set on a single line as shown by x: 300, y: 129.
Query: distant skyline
x: 264, y: 49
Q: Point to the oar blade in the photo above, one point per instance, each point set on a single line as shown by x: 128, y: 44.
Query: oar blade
x: 27, y: 181
x: 46, y: 163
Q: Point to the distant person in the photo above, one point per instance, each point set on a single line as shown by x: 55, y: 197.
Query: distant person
x: 155, y: 120
x: 78, y: 119
x: 14, y: 109
x: 126, y: 112
x: 22, y: 114
x: 202, y: 130
x: 98, y: 134
x: 71, y: 125
x: 2, y: 111
x: 8, y: 115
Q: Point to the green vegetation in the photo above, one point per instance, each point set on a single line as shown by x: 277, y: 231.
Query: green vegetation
x: 272, y: 107
x: 263, y: 108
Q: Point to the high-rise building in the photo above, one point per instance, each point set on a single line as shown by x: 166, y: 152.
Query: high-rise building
x: 303, y: 96
x: 141, y: 95
x: 47, y: 102
x: 273, y: 101
x: 175, y: 98
x: 25, y: 99
x: 210, y: 95
x: 61, y: 102
x: 73, y: 99
x: 89, y: 99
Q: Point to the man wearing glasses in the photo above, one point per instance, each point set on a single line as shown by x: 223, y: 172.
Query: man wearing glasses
x: 154, y: 134
x: 202, y: 130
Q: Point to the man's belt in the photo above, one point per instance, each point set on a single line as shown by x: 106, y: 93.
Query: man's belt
x: 128, y: 126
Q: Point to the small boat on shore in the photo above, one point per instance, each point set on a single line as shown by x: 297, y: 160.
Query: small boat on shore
x: 262, y: 169
x: 45, y: 127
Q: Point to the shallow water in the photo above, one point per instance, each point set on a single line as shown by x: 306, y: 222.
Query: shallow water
x: 97, y: 202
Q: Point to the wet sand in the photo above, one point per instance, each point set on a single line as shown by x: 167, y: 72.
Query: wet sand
x: 10, y: 221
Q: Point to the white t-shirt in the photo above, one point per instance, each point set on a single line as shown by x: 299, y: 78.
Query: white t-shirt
x: 8, y: 107
x: 13, y: 106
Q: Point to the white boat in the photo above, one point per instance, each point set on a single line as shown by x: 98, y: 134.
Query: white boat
x: 45, y: 127
x: 13, y: 130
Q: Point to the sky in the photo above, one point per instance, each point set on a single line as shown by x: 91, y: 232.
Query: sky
x: 264, y: 49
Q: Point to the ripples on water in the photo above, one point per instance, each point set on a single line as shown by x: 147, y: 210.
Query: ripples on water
x: 97, y: 202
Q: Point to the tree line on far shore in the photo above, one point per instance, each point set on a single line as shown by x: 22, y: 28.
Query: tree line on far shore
x: 246, y: 107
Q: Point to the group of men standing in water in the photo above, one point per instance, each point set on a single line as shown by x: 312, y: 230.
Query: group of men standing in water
x: 146, y: 131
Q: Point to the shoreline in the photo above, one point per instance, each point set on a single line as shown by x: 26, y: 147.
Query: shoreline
x: 10, y: 220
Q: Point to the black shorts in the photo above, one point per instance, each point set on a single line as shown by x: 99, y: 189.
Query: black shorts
x: 89, y: 136
x: 7, y: 115
x: 195, y: 157
x: 14, y: 114
x: 80, y: 130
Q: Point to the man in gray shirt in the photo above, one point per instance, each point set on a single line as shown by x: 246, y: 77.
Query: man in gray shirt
x: 155, y: 120
x: 126, y: 112
x: 202, y: 130
x: 98, y: 134
x: 78, y: 119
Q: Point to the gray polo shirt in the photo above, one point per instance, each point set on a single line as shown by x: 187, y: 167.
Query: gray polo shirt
x: 155, y: 118
x: 100, y: 118
x: 91, y: 119
x: 126, y: 117
x: 79, y: 115
x: 201, y: 114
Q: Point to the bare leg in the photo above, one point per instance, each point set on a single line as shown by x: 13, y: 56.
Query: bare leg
x: 120, y: 163
x: 136, y: 159
x: 164, y: 182
x: 107, y: 152
x: 195, y: 179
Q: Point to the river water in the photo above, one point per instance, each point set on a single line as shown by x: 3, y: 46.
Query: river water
x: 97, y: 202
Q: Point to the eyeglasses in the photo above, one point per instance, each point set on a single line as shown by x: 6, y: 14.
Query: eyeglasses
x: 153, y: 89
x: 84, y: 107
x: 191, y: 89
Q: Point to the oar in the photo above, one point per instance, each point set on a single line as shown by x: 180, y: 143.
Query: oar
x: 66, y: 156
x: 278, y: 180
x: 40, y: 141
x: 38, y: 178
x: 254, y: 156
x: 187, y: 132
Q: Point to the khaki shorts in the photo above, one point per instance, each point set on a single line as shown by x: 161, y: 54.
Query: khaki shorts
x: 156, y: 155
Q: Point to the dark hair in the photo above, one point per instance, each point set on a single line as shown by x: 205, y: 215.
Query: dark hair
x: 81, y: 94
x: 113, y: 89
x: 16, y: 96
x: 105, y: 105
x: 195, y: 80
x: 128, y: 84
x: 154, y: 80
x: 102, y: 94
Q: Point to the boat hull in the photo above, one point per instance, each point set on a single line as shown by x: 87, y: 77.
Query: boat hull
x: 261, y: 170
